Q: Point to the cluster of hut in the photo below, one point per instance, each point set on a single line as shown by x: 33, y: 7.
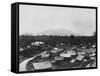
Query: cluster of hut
x: 60, y: 58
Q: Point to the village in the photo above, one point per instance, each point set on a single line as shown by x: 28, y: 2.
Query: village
x: 59, y: 57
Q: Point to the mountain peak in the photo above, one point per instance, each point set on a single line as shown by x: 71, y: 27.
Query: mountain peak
x: 59, y: 27
x: 58, y: 31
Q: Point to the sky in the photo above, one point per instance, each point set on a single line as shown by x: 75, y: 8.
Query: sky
x: 34, y: 19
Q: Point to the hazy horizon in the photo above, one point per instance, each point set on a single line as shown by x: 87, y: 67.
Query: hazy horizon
x: 35, y: 19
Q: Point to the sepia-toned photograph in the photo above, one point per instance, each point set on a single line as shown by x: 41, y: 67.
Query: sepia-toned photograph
x: 56, y: 38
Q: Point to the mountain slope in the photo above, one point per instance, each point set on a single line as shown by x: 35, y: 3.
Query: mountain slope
x: 58, y: 32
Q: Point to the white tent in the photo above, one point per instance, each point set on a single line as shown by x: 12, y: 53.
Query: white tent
x: 80, y: 57
x: 28, y: 46
x: 42, y: 65
x: 45, y: 55
x: 73, y: 60
x: 71, y: 52
x: 59, y: 58
x: 21, y: 49
x: 65, y: 55
x: 37, y: 43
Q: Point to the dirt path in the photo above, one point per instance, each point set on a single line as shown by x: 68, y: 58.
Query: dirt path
x: 22, y: 65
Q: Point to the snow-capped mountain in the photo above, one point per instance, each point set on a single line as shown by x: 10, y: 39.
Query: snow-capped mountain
x: 58, y: 32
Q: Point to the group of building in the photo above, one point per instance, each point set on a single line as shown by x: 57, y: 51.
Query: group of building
x: 86, y: 58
